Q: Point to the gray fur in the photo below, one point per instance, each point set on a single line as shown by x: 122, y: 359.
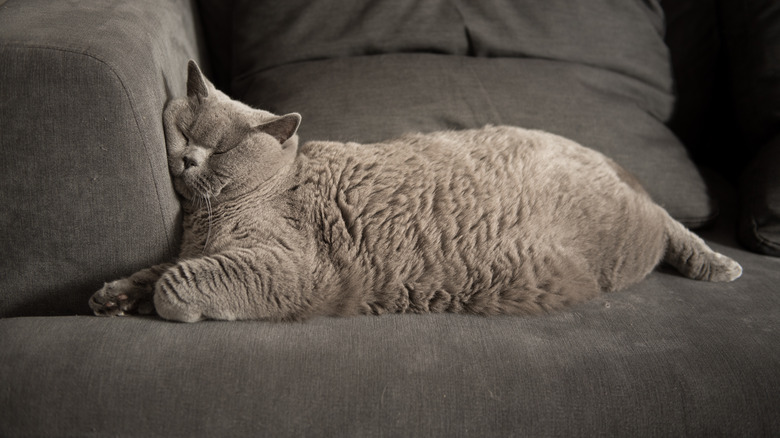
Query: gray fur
x: 498, y: 220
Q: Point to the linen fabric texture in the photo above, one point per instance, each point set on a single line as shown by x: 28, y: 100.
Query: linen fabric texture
x: 658, y: 360
x: 88, y: 197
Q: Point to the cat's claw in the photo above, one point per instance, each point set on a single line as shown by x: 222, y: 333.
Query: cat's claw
x: 120, y: 297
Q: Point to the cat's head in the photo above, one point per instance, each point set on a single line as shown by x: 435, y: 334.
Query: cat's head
x: 219, y: 148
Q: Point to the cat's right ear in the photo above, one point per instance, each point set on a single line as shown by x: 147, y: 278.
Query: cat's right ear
x: 282, y: 127
x: 197, y: 87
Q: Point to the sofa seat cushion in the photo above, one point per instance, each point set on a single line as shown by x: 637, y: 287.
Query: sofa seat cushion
x: 669, y: 357
x: 595, y: 71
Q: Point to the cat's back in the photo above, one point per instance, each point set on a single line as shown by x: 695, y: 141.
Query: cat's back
x: 420, y: 178
x: 490, y: 164
x: 476, y: 151
x: 506, y: 180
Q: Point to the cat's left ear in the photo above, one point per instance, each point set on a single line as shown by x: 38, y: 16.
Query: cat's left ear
x: 196, y: 83
x: 282, y: 127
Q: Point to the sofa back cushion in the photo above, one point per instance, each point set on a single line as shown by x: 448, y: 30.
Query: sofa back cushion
x: 596, y: 71
x: 268, y: 34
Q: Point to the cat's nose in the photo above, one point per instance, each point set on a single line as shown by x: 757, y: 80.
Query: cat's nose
x: 189, y: 162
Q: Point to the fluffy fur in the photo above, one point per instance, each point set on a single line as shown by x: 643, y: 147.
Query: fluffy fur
x: 498, y: 220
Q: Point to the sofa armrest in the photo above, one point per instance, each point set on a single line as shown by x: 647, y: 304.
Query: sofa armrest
x: 86, y: 194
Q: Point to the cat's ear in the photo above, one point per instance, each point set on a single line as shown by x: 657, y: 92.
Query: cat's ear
x: 196, y: 82
x: 282, y: 127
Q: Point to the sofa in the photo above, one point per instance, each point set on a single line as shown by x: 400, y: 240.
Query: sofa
x: 684, y: 94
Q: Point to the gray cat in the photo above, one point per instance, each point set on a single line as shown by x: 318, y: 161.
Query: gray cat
x: 498, y: 220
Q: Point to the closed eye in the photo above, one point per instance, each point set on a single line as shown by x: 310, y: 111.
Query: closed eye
x: 223, y: 147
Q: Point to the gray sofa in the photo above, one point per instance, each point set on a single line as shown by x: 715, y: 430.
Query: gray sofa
x: 685, y: 94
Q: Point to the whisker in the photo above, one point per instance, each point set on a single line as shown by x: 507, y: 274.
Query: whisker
x: 203, y: 192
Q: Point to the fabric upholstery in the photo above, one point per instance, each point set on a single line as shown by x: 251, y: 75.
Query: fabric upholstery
x: 86, y: 193
x: 554, y: 65
x: 669, y: 357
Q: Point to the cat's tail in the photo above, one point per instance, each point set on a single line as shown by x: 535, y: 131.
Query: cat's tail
x: 688, y: 253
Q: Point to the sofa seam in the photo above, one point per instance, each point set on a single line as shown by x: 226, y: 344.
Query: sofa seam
x: 132, y: 107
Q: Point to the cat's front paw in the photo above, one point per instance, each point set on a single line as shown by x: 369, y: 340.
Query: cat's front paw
x: 723, y: 268
x: 123, y: 296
